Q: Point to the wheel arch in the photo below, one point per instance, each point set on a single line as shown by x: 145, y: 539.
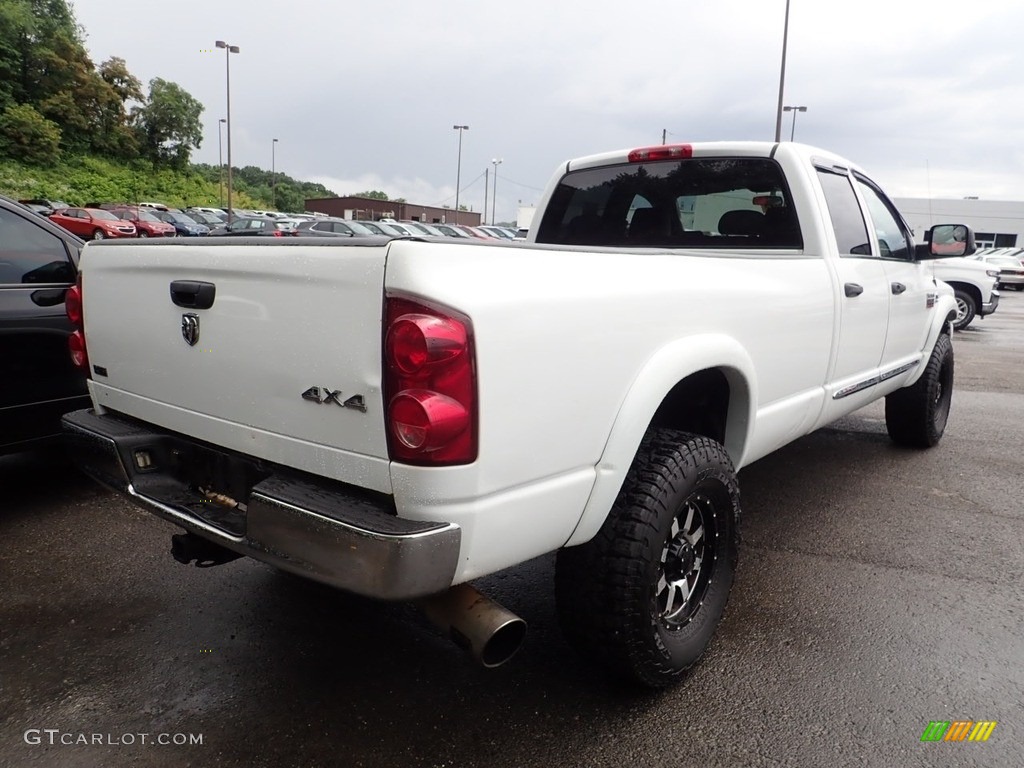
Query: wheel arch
x: 704, y: 385
x: 942, y: 324
x: 968, y: 288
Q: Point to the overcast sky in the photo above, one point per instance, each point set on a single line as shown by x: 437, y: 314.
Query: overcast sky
x: 927, y: 96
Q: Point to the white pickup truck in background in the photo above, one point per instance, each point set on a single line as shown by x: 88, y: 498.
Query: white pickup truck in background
x: 399, y: 417
x: 974, y: 287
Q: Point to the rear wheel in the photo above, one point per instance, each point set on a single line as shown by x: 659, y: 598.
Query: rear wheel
x: 916, y: 416
x: 143, y: 233
x: 98, y: 234
x: 966, y: 308
x: 644, y: 596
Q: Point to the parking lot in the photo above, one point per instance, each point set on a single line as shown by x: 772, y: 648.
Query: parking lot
x: 879, y: 589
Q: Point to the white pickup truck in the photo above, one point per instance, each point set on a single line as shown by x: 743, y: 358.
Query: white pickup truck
x: 974, y: 288
x: 399, y: 417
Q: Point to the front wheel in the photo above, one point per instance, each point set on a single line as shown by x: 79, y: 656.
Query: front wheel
x: 98, y: 234
x: 965, y: 309
x: 916, y: 416
x: 645, y: 595
x: 143, y: 233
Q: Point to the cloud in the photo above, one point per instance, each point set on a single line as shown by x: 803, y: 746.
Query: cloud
x: 368, y: 98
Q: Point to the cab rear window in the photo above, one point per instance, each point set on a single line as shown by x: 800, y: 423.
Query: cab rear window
x: 689, y: 203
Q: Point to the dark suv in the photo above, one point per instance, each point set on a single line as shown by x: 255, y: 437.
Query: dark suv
x: 44, y: 207
x: 38, y: 262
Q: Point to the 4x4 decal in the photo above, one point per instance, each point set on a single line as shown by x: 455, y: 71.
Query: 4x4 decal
x: 324, y: 395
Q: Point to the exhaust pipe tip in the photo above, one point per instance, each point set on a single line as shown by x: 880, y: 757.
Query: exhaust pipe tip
x: 489, y: 632
x: 186, y: 547
x: 497, y: 649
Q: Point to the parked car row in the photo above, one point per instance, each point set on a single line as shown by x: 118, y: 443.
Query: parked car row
x: 1009, y: 262
x: 100, y: 220
x: 329, y: 226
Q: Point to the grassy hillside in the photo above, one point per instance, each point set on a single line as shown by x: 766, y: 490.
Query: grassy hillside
x: 85, y: 179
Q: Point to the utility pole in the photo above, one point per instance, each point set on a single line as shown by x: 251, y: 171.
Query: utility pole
x: 494, y: 198
x: 487, y: 176
x: 273, y: 173
x: 782, y: 77
x: 228, y: 50
x: 220, y: 157
x: 458, y: 169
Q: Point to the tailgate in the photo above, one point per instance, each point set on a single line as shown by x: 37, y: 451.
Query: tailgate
x: 285, y: 364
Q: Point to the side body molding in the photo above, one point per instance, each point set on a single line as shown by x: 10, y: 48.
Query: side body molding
x: 666, y: 368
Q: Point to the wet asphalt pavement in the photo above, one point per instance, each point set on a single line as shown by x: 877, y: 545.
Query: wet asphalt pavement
x: 879, y: 589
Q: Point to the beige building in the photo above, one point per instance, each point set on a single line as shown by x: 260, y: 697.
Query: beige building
x: 371, y: 209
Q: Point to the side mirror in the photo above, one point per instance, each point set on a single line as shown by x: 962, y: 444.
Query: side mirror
x: 946, y: 240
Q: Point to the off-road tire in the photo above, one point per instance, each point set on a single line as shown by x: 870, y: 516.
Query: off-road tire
x: 614, y: 602
x: 966, y: 309
x: 916, y: 415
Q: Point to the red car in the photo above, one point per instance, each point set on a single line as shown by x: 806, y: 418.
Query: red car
x: 146, y: 224
x: 93, y: 223
x: 479, y: 234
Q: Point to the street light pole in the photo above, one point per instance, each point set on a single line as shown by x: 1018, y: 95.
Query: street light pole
x: 273, y: 173
x: 782, y: 77
x: 487, y: 182
x: 458, y: 169
x: 220, y: 157
x: 228, y: 50
x: 494, y: 198
x: 794, y: 110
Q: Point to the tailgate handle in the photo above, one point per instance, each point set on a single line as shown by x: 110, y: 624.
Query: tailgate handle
x: 193, y: 294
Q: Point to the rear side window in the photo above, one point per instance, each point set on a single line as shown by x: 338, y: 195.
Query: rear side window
x: 696, y: 202
x: 31, y: 255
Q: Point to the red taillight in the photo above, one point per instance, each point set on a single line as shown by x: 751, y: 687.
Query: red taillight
x: 426, y: 421
x: 661, y: 152
x: 76, y: 341
x: 416, y: 341
x: 76, y: 346
x: 429, y: 384
x: 73, y: 305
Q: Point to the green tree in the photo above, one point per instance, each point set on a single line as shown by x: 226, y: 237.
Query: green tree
x: 27, y: 136
x: 43, y: 63
x: 373, y: 195
x: 114, y: 72
x: 31, y: 33
x: 168, y: 124
x: 118, y: 138
x: 74, y: 95
x: 15, y: 21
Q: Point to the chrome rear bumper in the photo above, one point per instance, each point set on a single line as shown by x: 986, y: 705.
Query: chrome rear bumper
x: 333, y: 533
